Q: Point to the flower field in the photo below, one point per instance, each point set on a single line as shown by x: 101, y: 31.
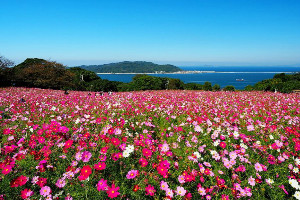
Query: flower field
x: 149, y: 145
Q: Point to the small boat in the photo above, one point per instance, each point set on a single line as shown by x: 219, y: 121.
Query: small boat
x: 240, y: 79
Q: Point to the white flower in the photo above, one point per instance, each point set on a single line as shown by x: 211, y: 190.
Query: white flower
x: 297, y: 161
x: 270, y: 181
x: 77, y: 121
x: 295, y: 170
x: 297, y: 195
x: 243, y: 146
x: 236, y: 134
x: 130, y: 148
x: 126, y: 154
x: 213, y: 152
x: 216, y: 143
x: 271, y: 137
x: 294, y: 183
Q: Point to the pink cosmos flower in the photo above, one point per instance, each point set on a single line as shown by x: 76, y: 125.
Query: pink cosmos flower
x: 100, y: 166
x: 250, y: 128
x: 45, y: 191
x: 6, y: 169
x: 132, y: 174
x: 201, y: 191
x: 102, y: 185
x: 86, y: 155
x: 164, y: 185
x: 169, y: 193
x: 78, y: 156
x: 165, y: 147
x: 251, y: 181
x: 112, y: 191
x: 180, y: 191
x: 147, y: 153
x: 61, y: 183
x: 258, y: 167
x: 181, y: 179
x: 150, y: 190
x: 26, y: 193
x: 143, y: 162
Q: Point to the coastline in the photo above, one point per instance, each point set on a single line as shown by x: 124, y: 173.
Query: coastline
x: 198, y: 72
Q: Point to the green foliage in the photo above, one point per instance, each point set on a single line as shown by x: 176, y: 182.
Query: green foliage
x: 175, y: 84
x: 216, y: 87
x: 34, y: 72
x: 5, y: 71
x: 131, y: 67
x: 229, y: 88
x: 280, y: 82
x: 249, y: 88
x: 145, y: 82
x: 193, y: 86
x: 207, y: 86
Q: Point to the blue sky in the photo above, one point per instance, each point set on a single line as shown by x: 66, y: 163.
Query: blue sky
x: 180, y: 32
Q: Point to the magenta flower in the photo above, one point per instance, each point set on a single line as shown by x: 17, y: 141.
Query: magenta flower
x: 132, y: 174
x: 102, y: 185
x: 150, y: 190
x: 86, y: 155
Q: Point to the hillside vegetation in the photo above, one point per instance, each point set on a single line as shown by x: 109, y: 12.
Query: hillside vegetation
x: 131, y: 67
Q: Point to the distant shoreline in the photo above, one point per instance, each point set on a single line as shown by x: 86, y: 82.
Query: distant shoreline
x: 199, y: 72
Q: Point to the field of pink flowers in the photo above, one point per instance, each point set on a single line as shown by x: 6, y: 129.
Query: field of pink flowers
x: 149, y: 145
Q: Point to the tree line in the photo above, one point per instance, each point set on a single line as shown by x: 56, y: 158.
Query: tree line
x: 35, y: 72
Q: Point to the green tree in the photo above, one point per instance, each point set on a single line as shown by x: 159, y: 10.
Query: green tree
x: 229, y: 88
x: 207, y: 86
x: 146, y: 82
x: 216, y: 87
x: 175, y: 84
x: 34, y: 72
x: 5, y: 71
x: 193, y: 86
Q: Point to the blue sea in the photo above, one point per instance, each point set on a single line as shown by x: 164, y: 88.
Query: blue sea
x: 223, y: 75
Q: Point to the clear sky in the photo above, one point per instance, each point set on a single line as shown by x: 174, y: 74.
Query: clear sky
x: 180, y: 32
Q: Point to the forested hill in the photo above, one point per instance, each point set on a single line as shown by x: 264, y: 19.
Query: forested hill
x: 131, y: 67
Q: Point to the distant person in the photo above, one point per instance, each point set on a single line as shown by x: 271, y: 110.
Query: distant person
x: 66, y: 92
x: 22, y: 100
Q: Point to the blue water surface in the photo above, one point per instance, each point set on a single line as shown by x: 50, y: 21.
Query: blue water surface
x: 224, y: 76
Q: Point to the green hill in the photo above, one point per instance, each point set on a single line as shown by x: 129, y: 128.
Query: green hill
x: 131, y: 67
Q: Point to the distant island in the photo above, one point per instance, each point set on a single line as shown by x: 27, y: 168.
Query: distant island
x: 132, y: 67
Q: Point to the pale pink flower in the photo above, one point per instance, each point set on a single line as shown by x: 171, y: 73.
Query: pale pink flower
x: 201, y: 191
x: 164, y: 185
x: 251, y: 181
x: 180, y: 191
x: 60, y: 183
x: 258, y: 167
x: 181, y: 179
x: 169, y: 193
x: 45, y: 191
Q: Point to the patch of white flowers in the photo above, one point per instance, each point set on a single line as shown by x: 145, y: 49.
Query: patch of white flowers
x: 294, y: 183
x: 128, y: 150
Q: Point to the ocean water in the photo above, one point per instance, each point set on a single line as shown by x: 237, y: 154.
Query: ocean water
x: 223, y: 75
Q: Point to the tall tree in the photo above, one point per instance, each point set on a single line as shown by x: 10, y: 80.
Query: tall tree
x: 5, y: 71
